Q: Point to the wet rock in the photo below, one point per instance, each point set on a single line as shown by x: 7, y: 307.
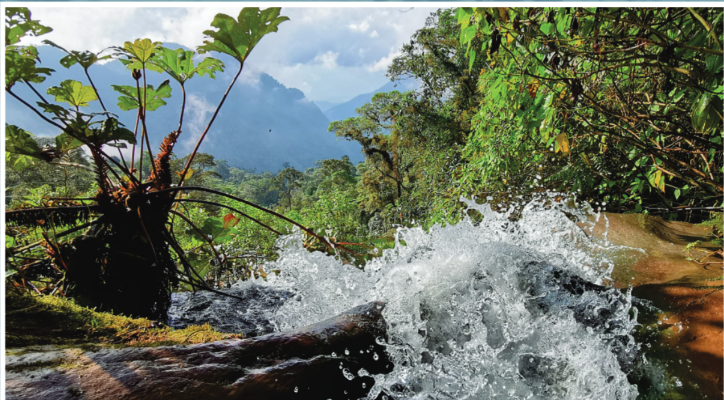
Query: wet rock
x: 654, y: 260
x: 602, y: 310
x: 331, y: 359
x: 248, y: 315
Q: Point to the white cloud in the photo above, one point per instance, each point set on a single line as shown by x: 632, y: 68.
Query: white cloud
x: 319, y: 51
x: 199, y: 111
x: 327, y: 60
x: 362, y: 27
x: 384, y: 62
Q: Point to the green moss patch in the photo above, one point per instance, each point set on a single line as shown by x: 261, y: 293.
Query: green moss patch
x: 41, y: 320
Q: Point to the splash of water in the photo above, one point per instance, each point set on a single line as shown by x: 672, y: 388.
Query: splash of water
x: 462, y: 320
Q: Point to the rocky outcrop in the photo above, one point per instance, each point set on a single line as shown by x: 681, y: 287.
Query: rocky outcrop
x: 335, y: 358
x: 247, y: 313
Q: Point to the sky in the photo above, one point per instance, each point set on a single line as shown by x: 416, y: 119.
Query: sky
x: 332, y: 54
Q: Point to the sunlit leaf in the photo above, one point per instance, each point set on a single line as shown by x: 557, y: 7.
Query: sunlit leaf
x: 20, y: 65
x: 73, y: 93
x: 179, y: 64
x: 230, y: 220
x: 19, y: 23
x: 562, y: 143
x: 238, y: 37
x: 154, y: 97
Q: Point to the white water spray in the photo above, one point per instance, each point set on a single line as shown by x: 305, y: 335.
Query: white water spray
x: 460, y: 323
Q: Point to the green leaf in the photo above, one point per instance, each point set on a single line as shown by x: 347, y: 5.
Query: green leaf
x: 706, y: 113
x: 18, y: 23
x: 111, y: 129
x: 677, y: 193
x: 215, y: 230
x: 238, y: 38
x: 64, y: 142
x: 467, y: 34
x: 53, y: 109
x: 85, y: 58
x: 154, y: 97
x: 19, y: 141
x: 138, y: 52
x: 180, y: 64
x: 73, y: 93
x: 463, y: 14
x: 547, y: 28
x: 20, y: 65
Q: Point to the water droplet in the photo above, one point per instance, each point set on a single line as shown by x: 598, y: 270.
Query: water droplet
x: 347, y: 374
x: 375, y: 357
x: 346, y: 351
x: 296, y: 389
x: 334, y: 354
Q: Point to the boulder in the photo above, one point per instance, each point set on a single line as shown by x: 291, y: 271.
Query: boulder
x: 335, y: 358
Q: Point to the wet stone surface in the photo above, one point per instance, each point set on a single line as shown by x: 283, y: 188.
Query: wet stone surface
x: 248, y: 315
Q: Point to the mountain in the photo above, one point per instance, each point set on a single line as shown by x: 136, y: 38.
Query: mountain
x: 347, y: 109
x: 325, y: 105
x: 262, y: 124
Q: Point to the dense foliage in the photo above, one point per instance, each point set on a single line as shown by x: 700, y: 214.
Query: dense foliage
x: 623, y: 105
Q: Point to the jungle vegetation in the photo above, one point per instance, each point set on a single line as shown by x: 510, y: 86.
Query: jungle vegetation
x: 620, y: 106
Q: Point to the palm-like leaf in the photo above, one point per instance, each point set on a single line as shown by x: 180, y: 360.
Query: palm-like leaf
x: 237, y: 37
x: 179, y: 64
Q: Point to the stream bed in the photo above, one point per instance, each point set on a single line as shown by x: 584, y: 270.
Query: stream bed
x: 497, y: 309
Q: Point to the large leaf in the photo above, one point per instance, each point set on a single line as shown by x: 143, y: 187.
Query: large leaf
x: 180, y: 64
x: 215, y: 229
x: 110, y: 130
x: 138, y: 53
x: 237, y: 37
x: 19, y: 141
x: 73, y: 93
x: 85, y: 58
x: 64, y: 143
x: 20, y: 65
x: 18, y: 23
x: 154, y: 97
x: 706, y: 113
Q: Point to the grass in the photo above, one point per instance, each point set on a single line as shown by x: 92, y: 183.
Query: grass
x: 49, y: 320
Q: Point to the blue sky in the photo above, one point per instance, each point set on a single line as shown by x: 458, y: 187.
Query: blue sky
x: 331, y: 54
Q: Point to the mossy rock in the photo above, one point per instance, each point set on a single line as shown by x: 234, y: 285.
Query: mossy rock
x: 32, y: 320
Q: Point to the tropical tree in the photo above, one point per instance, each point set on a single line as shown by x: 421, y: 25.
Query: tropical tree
x: 286, y: 182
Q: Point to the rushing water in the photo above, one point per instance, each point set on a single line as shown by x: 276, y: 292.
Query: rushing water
x: 471, y: 312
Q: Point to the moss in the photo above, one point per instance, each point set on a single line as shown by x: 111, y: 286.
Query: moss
x: 49, y: 320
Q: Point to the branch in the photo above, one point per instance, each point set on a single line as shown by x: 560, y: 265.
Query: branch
x: 230, y: 208
x: 33, y: 108
x: 706, y: 26
x: 63, y: 163
x: 329, y: 244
